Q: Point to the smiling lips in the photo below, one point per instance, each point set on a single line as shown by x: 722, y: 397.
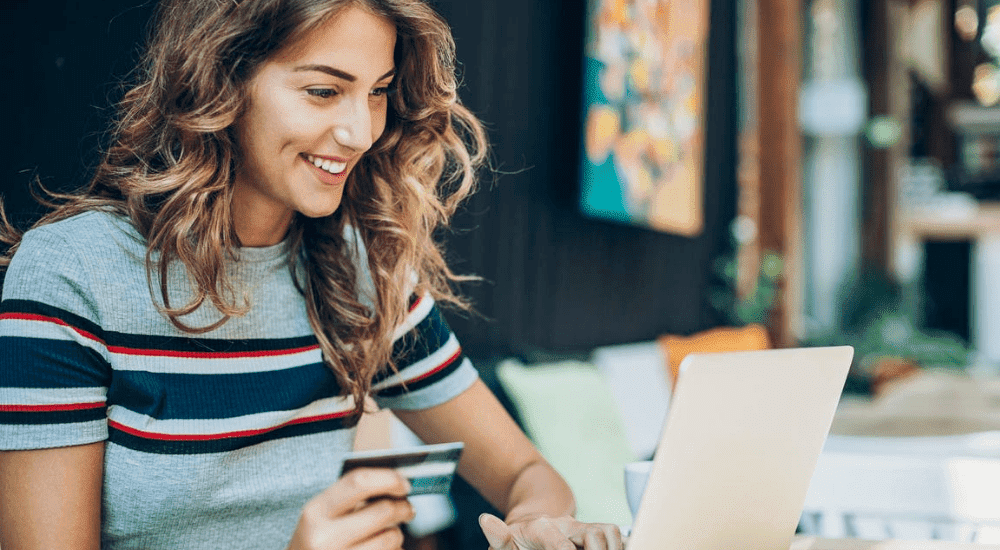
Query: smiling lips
x: 328, y: 165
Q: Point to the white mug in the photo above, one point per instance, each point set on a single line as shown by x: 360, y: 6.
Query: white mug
x: 636, y: 474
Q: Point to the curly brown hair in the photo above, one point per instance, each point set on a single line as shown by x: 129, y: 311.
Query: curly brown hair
x: 173, y: 155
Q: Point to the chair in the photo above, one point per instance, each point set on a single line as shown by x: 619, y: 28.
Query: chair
x: 746, y: 338
x: 923, y: 496
x: 569, y: 411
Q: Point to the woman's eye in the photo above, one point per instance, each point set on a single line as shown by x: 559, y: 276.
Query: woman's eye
x: 324, y: 93
x: 383, y: 91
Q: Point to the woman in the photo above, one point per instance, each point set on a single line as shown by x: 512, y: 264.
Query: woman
x: 186, y: 346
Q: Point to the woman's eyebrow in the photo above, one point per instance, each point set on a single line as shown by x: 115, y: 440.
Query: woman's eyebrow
x: 337, y: 73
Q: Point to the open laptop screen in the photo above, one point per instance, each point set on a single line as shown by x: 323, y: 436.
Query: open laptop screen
x: 738, y: 449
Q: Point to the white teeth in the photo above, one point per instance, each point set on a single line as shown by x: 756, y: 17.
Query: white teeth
x: 327, y: 165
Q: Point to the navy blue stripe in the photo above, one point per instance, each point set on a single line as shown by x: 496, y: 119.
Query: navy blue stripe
x: 159, y: 343
x: 168, y: 396
x: 45, y: 363
x: 39, y: 308
x: 53, y: 417
x: 205, y: 345
x: 427, y: 337
x: 395, y: 391
x: 228, y: 444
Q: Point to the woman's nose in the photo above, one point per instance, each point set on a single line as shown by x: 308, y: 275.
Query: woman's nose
x: 354, y: 130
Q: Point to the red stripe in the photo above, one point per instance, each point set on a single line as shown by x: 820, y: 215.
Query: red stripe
x: 435, y: 370
x: 52, y: 408
x: 46, y: 319
x: 414, y: 305
x: 208, y: 354
x: 224, y: 435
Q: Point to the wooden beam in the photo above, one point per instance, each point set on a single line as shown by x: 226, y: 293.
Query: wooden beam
x: 748, y: 157
x: 780, y: 153
x: 879, y: 64
x: 887, y: 73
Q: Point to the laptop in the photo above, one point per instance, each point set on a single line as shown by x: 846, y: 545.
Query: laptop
x: 738, y: 449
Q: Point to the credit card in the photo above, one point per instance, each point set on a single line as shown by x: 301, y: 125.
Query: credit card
x: 429, y: 468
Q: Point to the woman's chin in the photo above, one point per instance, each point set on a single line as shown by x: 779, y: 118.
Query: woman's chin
x: 321, y: 212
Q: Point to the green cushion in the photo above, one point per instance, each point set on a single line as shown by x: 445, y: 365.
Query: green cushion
x: 568, y: 411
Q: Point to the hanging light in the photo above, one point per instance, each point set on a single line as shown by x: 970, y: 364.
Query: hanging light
x: 985, y: 85
x: 966, y: 21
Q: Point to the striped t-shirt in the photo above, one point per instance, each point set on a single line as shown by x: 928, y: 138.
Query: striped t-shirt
x: 213, y: 440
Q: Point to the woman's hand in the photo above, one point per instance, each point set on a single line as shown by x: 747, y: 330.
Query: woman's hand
x: 563, y: 533
x: 363, y: 510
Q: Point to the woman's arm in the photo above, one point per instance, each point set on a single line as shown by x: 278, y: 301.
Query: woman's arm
x: 51, y: 498
x: 507, y: 469
x: 498, y: 460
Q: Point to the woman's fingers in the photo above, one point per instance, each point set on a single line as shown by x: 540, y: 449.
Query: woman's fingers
x: 359, y: 486
x: 613, y: 534
x: 375, y: 517
x: 334, y: 539
x: 364, y: 507
x: 389, y: 539
x: 593, y: 536
x: 546, y: 534
x: 497, y: 532
x: 564, y: 533
x: 596, y: 536
x: 596, y: 539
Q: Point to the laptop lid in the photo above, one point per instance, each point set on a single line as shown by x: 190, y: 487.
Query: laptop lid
x: 738, y: 449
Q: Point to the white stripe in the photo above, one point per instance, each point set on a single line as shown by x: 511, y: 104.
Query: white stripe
x: 23, y: 328
x: 423, y: 366
x: 427, y: 469
x: 47, y: 396
x: 211, y: 426
x: 418, y: 314
x: 235, y: 365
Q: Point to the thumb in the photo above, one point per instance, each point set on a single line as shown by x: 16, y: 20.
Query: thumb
x: 497, y: 532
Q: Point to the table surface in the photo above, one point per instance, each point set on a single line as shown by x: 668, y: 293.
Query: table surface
x: 931, y: 224
x: 813, y: 543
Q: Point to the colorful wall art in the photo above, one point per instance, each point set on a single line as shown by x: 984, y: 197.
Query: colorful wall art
x: 644, y: 101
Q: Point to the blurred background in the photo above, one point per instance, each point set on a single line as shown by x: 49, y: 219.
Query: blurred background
x: 814, y: 172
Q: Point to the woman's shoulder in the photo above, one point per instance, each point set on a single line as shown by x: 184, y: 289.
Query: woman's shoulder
x: 56, y: 264
x: 89, y: 224
x: 72, y: 250
x: 94, y: 231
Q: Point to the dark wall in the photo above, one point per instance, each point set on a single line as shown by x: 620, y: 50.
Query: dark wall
x: 61, y: 63
x: 554, y: 280
x: 559, y: 281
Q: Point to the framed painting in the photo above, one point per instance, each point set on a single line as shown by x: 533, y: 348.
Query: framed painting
x: 644, y: 113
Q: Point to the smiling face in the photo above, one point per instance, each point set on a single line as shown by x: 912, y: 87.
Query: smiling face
x: 313, y: 110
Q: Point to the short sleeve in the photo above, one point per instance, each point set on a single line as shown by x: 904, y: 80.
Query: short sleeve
x: 54, y: 371
x: 430, y: 365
